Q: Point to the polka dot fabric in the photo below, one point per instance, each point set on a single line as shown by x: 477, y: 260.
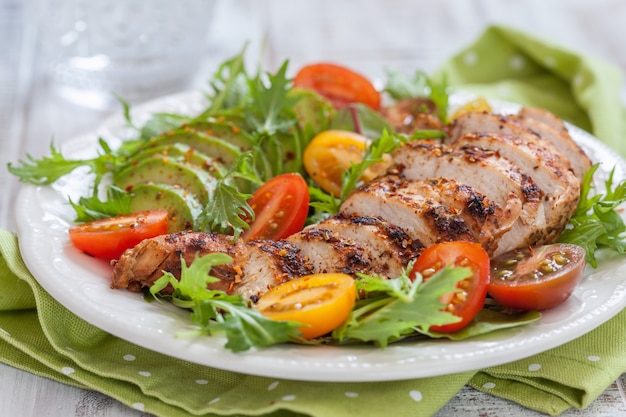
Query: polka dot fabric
x: 40, y: 336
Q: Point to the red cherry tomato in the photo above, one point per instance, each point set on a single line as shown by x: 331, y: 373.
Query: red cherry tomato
x: 281, y: 206
x: 536, y: 278
x: 340, y: 85
x: 470, y: 300
x: 109, y: 238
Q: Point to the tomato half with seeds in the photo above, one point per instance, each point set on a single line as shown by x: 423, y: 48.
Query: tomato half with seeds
x: 109, y: 238
x: 467, y: 302
x: 536, y: 278
x: 329, y: 155
x: 280, y: 207
x: 340, y: 85
x: 321, y: 301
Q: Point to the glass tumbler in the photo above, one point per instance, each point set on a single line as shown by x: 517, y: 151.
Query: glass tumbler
x: 135, y: 49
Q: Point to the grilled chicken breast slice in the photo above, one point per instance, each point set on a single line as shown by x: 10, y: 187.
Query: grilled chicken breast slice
x: 577, y: 158
x: 484, y: 123
x: 417, y: 206
x: 559, y: 185
x: 488, y: 173
x: 387, y: 247
x: 327, y: 252
x: 268, y: 264
x: 256, y: 265
x: 138, y: 268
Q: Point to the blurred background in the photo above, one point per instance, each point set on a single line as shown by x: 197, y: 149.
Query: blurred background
x: 196, y: 35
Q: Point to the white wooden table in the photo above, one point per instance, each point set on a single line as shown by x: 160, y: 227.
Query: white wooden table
x: 368, y: 35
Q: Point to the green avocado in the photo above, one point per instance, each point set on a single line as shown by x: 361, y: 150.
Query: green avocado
x: 218, y: 149
x: 179, y: 152
x: 225, y: 129
x: 182, y: 206
x: 157, y: 170
x: 313, y: 111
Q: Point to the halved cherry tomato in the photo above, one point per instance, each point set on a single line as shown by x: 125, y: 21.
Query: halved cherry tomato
x: 536, y: 278
x: 321, y: 301
x: 340, y: 85
x: 470, y: 300
x: 280, y: 206
x: 330, y: 153
x: 109, y: 238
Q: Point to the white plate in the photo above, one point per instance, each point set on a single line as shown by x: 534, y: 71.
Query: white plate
x: 81, y: 284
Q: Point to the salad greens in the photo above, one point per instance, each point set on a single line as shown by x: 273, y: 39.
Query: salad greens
x: 596, y: 223
x: 388, y: 310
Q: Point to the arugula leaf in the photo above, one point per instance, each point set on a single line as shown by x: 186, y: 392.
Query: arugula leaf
x: 92, y: 208
x: 596, y: 222
x: 228, y: 205
x: 229, y: 85
x: 215, y: 312
x: 374, y: 153
x: 404, y: 307
x: 361, y: 119
x: 400, y: 86
x: 50, y: 168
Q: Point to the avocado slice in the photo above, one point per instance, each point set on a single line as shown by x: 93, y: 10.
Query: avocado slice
x: 224, y: 129
x: 216, y: 148
x: 166, y: 171
x: 183, y: 207
x: 181, y: 153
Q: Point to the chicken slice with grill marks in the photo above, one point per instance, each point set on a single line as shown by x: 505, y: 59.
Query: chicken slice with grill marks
x: 327, y: 252
x: 269, y: 263
x: 577, y: 158
x: 559, y: 185
x: 387, y: 247
x: 484, y: 123
x: 418, y: 207
x: 256, y: 266
x: 140, y: 266
x: 489, y: 174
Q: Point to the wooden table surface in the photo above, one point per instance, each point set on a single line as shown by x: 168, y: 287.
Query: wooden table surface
x: 367, y: 35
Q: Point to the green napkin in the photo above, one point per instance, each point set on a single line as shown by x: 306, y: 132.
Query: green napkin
x: 39, y: 335
x: 511, y: 65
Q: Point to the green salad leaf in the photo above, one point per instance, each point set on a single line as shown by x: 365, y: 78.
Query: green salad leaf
x: 596, y: 223
x: 217, y: 313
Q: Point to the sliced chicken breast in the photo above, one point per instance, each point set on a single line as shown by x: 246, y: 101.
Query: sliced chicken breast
x: 387, y: 247
x: 488, y: 173
x: 559, y: 185
x: 327, y: 252
x: 577, y: 158
x: 417, y: 206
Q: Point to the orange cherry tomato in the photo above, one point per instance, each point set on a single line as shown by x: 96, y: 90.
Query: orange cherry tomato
x: 479, y: 104
x: 536, y: 278
x: 329, y: 155
x: 340, y: 85
x: 466, y: 303
x: 320, y: 301
x: 109, y: 238
x: 280, y: 206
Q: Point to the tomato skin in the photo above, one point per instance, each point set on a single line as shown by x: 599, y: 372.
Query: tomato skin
x: 322, y: 301
x: 340, y: 85
x: 474, y: 288
x: 281, y: 206
x: 329, y: 155
x: 109, y: 238
x: 515, y: 283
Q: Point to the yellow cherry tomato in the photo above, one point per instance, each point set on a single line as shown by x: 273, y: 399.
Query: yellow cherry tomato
x: 329, y: 155
x: 321, y: 301
x: 479, y: 104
